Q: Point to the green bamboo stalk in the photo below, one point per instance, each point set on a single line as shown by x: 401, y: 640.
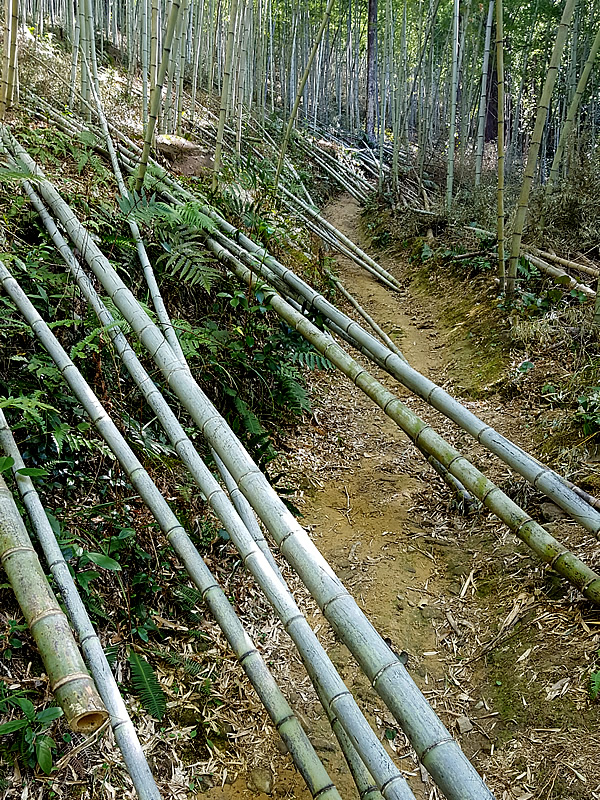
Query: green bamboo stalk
x: 500, y: 192
x: 91, y: 646
x: 157, y: 93
x: 534, y: 146
x: 225, y: 90
x: 453, y: 94
x: 300, y: 90
x: 572, y: 112
x: 483, y: 95
x: 282, y: 715
x: 69, y: 680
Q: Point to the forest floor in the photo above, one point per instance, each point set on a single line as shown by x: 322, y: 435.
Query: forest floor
x: 501, y: 648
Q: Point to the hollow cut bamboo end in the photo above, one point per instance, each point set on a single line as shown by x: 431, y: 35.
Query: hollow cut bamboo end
x: 83, y: 708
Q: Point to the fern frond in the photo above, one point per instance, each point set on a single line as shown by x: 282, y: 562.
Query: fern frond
x: 146, y: 686
x: 111, y: 652
x: 191, y: 666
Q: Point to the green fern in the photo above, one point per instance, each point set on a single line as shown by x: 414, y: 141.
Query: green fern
x: 111, y: 652
x: 595, y: 685
x: 146, y: 686
x: 185, y: 260
x: 191, y: 666
x: 311, y: 360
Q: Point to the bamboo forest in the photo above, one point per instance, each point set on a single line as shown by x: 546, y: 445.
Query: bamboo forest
x: 299, y: 400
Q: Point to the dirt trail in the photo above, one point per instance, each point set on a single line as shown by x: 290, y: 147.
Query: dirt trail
x: 500, y: 648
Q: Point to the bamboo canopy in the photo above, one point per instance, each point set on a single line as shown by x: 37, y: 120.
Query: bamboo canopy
x: 69, y: 680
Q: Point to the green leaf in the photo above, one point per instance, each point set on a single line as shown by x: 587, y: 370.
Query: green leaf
x: 105, y: 562
x: 43, y: 753
x: 49, y: 714
x: 12, y: 726
x: 85, y: 578
x: 6, y: 462
x: 26, y: 706
x: 146, y: 686
x: 33, y: 472
x: 595, y: 685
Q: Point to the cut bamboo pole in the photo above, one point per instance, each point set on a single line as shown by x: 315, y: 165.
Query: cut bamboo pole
x: 560, y: 276
x: 565, y: 262
x: 541, y: 542
x: 544, y: 479
x: 123, y: 729
x: 439, y: 751
x: 69, y: 680
x: 282, y: 715
x: 337, y: 701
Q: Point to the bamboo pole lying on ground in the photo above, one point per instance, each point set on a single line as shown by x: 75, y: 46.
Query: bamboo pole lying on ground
x: 439, y: 752
x: 123, y: 729
x: 565, y: 262
x: 340, y: 707
x: 367, y: 317
x: 279, y: 710
x: 541, y: 477
x: 560, y: 275
x: 537, y: 538
x: 69, y: 680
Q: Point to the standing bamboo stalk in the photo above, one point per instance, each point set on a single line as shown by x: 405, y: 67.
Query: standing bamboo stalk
x: 453, y: 94
x: 500, y: 192
x: 534, y: 147
x: 300, y: 90
x: 156, y: 95
x: 571, y: 113
x: 483, y: 95
x: 69, y: 680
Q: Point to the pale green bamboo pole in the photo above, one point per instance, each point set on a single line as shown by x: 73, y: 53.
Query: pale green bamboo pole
x: 233, y: 10
x: 483, y: 95
x: 149, y: 276
x: 153, y: 45
x: 9, y: 61
x: 453, y: 94
x: 282, y: 715
x: 537, y: 538
x: 156, y: 95
x: 227, y: 516
x: 534, y: 146
x: 68, y: 678
x: 123, y: 729
x: 572, y: 112
x: 440, y: 753
x: 500, y: 192
x: 74, y: 60
x: 300, y: 90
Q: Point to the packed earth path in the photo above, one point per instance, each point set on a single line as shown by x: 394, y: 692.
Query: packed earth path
x: 501, y: 648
